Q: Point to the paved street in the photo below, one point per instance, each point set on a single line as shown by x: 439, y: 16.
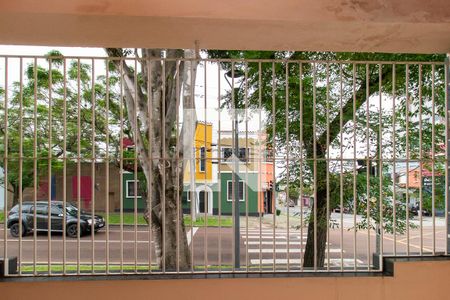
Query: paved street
x: 259, y: 246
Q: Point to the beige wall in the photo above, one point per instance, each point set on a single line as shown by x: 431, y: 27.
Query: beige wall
x: 412, y: 280
x: 415, y: 26
x: 100, y: 186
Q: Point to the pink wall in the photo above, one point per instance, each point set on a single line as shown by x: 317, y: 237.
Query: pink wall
x: 411, y: 281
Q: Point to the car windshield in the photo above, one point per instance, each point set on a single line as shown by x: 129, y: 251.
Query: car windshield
x: 72, y: 210
x: 25, y: 208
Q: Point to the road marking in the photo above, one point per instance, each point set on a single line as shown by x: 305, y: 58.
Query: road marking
x: 75, y: 241
x: 400, y: 242
x: 188, y: 234
x: 256, y: 237
x: 264, y: 238
x: 284, y: 250
x: 271, y: 231
x: 281, y: 261
x: 88, y: 263
x: 271, y: 243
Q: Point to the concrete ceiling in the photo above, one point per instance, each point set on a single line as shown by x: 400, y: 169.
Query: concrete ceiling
x: 410, y: 26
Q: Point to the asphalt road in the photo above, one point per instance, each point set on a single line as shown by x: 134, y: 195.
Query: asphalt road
x: 345, y: 247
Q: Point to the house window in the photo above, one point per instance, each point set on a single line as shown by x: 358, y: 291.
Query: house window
x: 227, y: 153
x: 230, y: 190
x: 202, y: 159
x: 243, y: 153
x: 188, y: 196
x: 130, y: 189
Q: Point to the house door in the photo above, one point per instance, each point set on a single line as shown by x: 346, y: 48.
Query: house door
x: 85, y: 191
x: 203, y: 202
x: 268, y: 202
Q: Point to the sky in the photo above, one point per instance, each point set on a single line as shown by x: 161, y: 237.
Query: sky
x: 207, y: 100
x: 205, y: 112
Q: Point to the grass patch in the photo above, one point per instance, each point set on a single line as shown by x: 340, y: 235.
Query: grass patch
x: 83, y: 268
x: 115, y: 268
x: 128, y: 219
x: 2, y: 216
x: 212, y: 221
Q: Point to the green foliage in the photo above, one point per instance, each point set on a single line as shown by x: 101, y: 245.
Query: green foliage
x: 318, y: 106
x: 55, y: 113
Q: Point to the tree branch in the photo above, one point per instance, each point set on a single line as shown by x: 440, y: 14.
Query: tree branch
x: 347, y: 110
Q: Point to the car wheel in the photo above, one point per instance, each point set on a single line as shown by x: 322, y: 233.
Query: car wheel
x: 15, y: 229
x: 72, y: 230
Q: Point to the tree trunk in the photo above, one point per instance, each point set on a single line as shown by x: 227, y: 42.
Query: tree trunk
x: 170, y: 239
x: 333, y: 129
x: 316, y: 241
x: 160, y: 155
x: 15, y: 199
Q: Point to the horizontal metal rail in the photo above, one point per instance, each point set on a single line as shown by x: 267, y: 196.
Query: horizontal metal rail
x: 238, y: 165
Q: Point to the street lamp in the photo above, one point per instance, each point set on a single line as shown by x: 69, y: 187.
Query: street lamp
x: 235, y: 172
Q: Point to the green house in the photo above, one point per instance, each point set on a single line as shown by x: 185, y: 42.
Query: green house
x: 130, y: 198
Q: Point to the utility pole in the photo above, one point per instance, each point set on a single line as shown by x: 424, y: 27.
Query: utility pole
x: 235, y: 170
x: 192, y: 192
x: 237, y: 233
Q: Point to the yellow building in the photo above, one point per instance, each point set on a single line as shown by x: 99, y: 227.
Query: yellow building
x: 204, y: 176
x: 203, y: 155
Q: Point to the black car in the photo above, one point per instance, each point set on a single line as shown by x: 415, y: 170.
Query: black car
x: 57, y: 219
x: 416, y: 209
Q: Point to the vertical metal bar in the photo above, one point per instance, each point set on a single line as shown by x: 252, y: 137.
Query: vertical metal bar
x: 93, y: 161
x: 78, y: 164
x: 327, y: 162
x: 219, y: 158
x: 300, y: 73
x: 5, y: 170
x: 261, y: 207
x: 274, y: 158
x: 135, y: 166
x: 35, y: 161
x: 447, y: 152
x: 107, y: 167
x: 380, y: 161
x: 407, y: 158
x: 236, y: 179
x: 49, y: 170
x: 205, y: 195
x: 193, y: 205
x: 394, y: 154
x: 287, y: 160
x: 64, y: 165
x: 121, y: 106
x: 368, y: 164
x: 314, y: 124
x: 355, y: 207
x: 420, y: 161
x: 433, y: 157
x: 20, y: 163
x: 163, y: 143
x: 341, y: 178
x: 177, y: 161
x: 247, y: 157
x: 150, y: 155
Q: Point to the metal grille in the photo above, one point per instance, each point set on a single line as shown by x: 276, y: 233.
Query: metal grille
x: 239, y: 165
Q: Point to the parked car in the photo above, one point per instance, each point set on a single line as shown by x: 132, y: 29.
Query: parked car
x: 415, y: 211
x: 291, y: 203
x: 346, y: 210
x: 57, y: 219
